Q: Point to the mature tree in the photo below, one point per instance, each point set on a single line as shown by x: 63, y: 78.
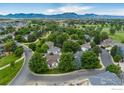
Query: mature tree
x: 38, y: 49
x: 10, y: 46
x: 70, y: 46
x: 117, y: 58
x: 80, y: 42
x: 93, y: 44
x: 104, y: 35
x: 20, y: 38
x: 40, y: 42
x: 97, y: 38
x: 74, y: 36
x: 97, y: 50
x: 19, y: 51
x: 67, y: 63
x: 38, y: 63
x: 10, y: 29
x: 44, y: 48
x: 89, y: 60
x: 23, y: 31
x: 114, y: 68
x: 114, y: 50
x: 52, y: 37
x: 60, y: 39
x: 32, y: 46
x: 112, y: 31
x: 31, y: 38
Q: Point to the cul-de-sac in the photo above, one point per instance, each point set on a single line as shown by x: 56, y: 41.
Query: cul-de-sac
x: 59, y: 47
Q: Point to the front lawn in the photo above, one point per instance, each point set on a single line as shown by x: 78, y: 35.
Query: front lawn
x: 7, y: 74
x: 8, y: 59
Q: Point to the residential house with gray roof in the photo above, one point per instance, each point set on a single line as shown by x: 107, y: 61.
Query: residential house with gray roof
x: 106, y: 78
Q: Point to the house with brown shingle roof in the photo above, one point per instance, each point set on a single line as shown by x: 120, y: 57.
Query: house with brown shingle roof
x: 52, y: 60
x: 85, y: 47
x: 107, y: 42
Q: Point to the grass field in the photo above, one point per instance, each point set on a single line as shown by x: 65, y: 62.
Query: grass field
x: 118, y: 36
x: 7, y: 59
x: 7, y: 74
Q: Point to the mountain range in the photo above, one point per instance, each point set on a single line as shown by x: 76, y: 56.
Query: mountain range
x: 63, y: 16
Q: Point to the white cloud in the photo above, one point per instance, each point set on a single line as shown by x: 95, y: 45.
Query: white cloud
x: 68, y: 8
x: 118, y: 12
x: 83, y: 10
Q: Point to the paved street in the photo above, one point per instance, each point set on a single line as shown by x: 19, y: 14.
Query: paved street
x: 106, y: 58
x: 26, y: 78
x: 21, y: 78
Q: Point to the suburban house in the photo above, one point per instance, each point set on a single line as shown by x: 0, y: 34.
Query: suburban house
x: 87, y: 37
x: 52, y: 55
x: 54, y: 50
x: 122, y: 52
x: 106, y: 78
x: 52, y: 60
x: 49, y: 44
x: 77, y: 57
x: 2, y: 53
x: 107, y: 43
x: 85, y: 47
x: 25, y: 37
x: 1, y: 29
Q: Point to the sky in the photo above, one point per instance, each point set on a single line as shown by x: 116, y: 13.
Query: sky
x: 58, y: 8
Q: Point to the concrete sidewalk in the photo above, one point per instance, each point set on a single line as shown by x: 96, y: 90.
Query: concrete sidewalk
x: 1, y: 68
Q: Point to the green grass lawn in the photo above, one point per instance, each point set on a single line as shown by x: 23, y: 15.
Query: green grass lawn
x: 105, y: 30
x: 118, y: 36
x: 8, y: 59
x: 7, y: 74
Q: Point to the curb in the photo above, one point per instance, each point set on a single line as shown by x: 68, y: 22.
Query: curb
x: 17, y: 72
x: 63, y: 74
x: 55, y: 74
x: 35, y: 40
x: 20, y: 68
x: 103, y: 67
x: 1, y: 68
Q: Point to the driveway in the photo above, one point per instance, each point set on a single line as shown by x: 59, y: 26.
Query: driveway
x: 106, y: 58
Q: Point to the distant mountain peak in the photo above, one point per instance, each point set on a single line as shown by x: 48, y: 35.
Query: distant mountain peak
x: 90, y: 14
x: 72, y: 13
x: 63, y: 15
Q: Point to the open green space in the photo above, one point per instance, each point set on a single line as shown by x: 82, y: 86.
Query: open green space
x: 8, y: 59
x: 7, y: 74
x: 118, y: 36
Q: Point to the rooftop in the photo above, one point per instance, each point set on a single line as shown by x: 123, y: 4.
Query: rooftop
x: 52, y: 58
x: 106, y: 78
x: 87, y: 45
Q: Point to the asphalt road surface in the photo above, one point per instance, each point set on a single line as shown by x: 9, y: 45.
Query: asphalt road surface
x: 26, y: 78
